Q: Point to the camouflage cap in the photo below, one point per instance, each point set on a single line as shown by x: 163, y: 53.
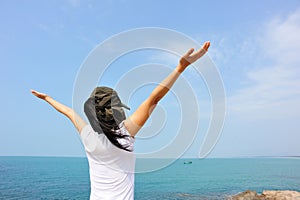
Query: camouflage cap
x: 108, y: 104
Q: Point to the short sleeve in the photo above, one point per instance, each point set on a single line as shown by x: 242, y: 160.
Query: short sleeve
x: 89, y: 138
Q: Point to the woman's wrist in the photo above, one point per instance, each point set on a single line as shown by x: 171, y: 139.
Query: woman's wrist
x: 47, y: 98
x: 180, y: 68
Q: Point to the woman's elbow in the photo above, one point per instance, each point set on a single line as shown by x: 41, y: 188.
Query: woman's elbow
x: 69, y: 112
x: 155, y: 99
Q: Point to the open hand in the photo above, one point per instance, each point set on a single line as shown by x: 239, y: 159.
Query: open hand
x: 191, y: 57
x: 39, y: 94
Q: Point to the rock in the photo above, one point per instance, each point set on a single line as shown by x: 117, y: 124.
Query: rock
x: 281, y: 195
x: 267, y: 195
x: 247, y: 195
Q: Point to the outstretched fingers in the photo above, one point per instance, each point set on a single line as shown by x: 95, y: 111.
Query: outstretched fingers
x: 33, y: 92
x: 189, y: 52
x: 38, y: 94
x: 198, y: 54
x: 206, y: 45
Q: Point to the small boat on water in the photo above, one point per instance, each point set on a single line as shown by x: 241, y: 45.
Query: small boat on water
x: 187, y: 162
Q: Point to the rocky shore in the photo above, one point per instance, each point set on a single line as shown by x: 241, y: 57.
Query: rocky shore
x: 267, y: 195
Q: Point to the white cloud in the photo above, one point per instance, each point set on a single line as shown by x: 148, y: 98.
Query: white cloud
x: 281, y: 39
x: 273, y: 90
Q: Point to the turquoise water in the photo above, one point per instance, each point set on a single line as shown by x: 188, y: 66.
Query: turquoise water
x: 67, y: 178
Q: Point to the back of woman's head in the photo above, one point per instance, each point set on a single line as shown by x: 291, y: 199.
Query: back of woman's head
x: 104, y: 112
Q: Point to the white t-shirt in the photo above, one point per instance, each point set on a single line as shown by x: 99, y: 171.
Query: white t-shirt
x: 111, y: 168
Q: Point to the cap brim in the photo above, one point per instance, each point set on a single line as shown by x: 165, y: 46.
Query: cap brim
x: 123, y: 105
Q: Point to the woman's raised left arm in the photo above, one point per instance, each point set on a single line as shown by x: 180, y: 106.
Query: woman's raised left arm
x: 78, y: 122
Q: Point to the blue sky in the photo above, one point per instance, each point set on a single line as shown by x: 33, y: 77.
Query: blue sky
x: 254, y: 44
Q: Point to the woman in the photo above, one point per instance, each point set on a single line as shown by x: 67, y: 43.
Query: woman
x: 108, y: 139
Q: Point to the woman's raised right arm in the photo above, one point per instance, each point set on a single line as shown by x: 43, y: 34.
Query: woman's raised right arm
x: 135, y: 122
x: 78, y: 122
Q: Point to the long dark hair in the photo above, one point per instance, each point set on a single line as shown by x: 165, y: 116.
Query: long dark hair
x: 101, y: 125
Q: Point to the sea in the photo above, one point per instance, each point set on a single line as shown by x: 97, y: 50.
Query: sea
x: 207, y: 179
